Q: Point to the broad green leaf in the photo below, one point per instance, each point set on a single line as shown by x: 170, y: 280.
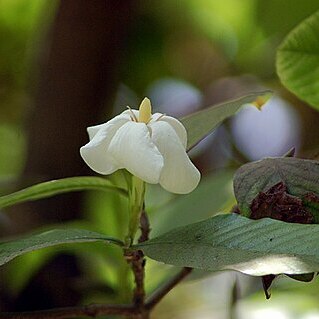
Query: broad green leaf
x: 15, y: 248
x: 201, y: 123
x: 299, y: 175
x: 298, y: 60
x: 55, y: 187
x: 234, y: 242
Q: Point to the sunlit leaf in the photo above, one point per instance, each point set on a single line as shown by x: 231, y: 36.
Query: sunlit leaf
x: 15, y: 248
x: 299, y: 175
x: 298, y: 60
x: 60, y: 186
x: 201, y: 123
x: 234, y: 242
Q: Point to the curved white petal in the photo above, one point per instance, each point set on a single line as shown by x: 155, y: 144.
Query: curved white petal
x: 156, y: 116
x: 176, y: 124
x: 92, y: 130
x: 134, y: 150
x: 95, y: 153
x: 121, y: 118
x: 179, y: 175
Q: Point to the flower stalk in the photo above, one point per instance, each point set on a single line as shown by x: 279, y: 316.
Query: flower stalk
x: 136, y: 201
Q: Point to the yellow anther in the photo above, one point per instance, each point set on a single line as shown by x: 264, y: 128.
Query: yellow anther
x: 145, y: 111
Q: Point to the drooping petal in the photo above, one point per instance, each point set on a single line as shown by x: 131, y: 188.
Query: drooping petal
x: 176, y: 124
x: 121, y: 118
x: 92, y: 130
x: 95, y: 153
x: 179, y: 175
x: 134, y: 150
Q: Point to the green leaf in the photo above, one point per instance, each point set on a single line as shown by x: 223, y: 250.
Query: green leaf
x: 15, y: 248
x: 206, y: 200
x: 55, y: 187
x: 201, y: 123
x: 299, y: 175
x: 298, y: 60
x: 234, y: 242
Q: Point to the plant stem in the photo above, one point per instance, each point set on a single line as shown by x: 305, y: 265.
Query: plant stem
x: 136, y: 201
x: 137, y: 261
x: 162, y: 291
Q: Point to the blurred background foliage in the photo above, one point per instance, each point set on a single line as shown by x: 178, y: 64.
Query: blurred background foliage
x: 184, y: 55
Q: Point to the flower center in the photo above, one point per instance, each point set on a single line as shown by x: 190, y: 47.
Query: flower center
x: 145, y: 111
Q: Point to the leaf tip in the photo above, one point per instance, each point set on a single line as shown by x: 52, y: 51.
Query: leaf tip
x: 261, y: 100
x: 290, y: 153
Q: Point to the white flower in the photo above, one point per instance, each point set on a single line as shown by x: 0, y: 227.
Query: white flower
x: 150, y: 146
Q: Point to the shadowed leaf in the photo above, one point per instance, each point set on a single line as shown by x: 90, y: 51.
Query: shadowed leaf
x: 300, y: 177
x: 233, y: 242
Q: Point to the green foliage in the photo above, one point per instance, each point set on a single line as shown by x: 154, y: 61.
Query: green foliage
x: 199, y: 204
x: 20, y: 271
x: 300, y: 176
x: 298, y: 60
x: 15, y: 248
x: 270, y: 14
x: 60, y: 186
x: 12, y: 150
x: 234, y: 242
x: 200, y: 124
x: 21, y: 25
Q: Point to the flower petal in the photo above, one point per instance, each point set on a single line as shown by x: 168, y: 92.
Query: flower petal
x: 92, y: 130
x: 179, y: 175
x: 156, y: 116
x: 121, y: 118
x: 134, y: 150
x: 176, y: 124
x: 95, y: 153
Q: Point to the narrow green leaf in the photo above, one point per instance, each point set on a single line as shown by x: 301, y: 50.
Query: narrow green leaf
x: 201, y: 123
x: 15, y: 248
x: 299, y: 175
x: 234, y: 242
x: 298, y: 60
x: 55, y: 187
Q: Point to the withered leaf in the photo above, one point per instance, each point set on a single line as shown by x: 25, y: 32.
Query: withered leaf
x: 276, y: 203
